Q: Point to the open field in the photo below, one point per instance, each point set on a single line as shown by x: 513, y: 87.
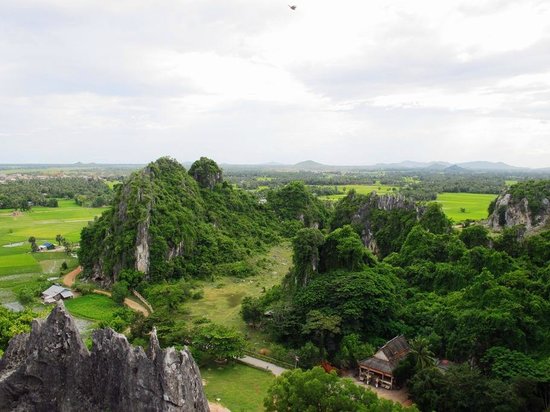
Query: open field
x: 93, y: 307
x: 222, y: 299
x: 360, y: 189
x: 19, y: 268
x: 474, y: 204
x: 238, y: 387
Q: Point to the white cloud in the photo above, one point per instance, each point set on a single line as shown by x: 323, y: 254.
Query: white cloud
x: 252, y: 81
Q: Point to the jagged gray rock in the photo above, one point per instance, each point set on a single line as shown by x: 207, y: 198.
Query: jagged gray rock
x: 388, y: 203
x: 51, y: 369
x: 510, y: 212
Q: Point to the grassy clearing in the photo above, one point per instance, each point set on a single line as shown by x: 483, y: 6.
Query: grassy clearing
x: 222, y: 299
x: 360, y: 189
x: 238, y: 387
x: 475, y: 205
x: 93, y: 307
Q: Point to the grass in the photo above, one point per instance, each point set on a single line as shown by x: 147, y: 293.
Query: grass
x: 475, y: 205
x: 44, y: 224
x: 238, y: 387
x: 93, y: 307
x: 222, y: 299
x: 360, y: 189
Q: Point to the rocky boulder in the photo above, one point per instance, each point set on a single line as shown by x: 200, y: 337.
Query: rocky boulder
x: 51, y: 369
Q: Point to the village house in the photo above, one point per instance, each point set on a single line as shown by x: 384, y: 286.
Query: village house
x: 46, y: 246
x: 55, y: 293
x: 378, y: 369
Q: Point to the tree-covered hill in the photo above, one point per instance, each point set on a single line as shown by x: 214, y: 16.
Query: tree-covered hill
x: 168, y: 225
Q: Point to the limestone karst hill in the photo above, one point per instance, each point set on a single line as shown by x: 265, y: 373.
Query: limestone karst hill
x: 51, y: 369
x: 167, y: 223
x: 525, y: 203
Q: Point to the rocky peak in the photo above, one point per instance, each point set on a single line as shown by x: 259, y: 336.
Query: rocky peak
x: 515, y: 208
x: 206, y: 172
x: 388, y: 203
x: 51, y: 369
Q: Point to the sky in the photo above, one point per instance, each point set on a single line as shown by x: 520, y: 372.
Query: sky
x: 348, y: 82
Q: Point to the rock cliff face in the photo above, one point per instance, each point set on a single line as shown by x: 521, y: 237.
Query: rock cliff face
x: 510, y: 211
x: 386, y: 203
x: 51, y: 369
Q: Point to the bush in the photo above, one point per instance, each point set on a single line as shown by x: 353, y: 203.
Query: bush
x: 25, y: 296
x: 84, y: 288
x: 120, y: 292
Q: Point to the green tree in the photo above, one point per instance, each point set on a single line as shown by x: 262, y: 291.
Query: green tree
x: 120, y: 292
x: 421, y: 353
x: 317, y: 391
x: 34, y: 246
x: 252, y: 310
x: 59, y: 239
x: 475, y: 235
x: 306, y: 256
x: 343, y: 249
x: 353, y: 350
x: 206, y: 172
x: 434, y: 219
x: 219, y: 341
x: 319, y: 325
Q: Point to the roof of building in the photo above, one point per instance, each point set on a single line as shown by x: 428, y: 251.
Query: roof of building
x: 48, y: 244
x: 53, y: 290
x: 67, y: 294
x: 394, y: 350
x: 377, y: 364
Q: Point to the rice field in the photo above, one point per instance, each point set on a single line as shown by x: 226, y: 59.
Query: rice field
x: 462, y: 206
x: 93, y: 307
x: 360, y: 189
x: 19, y: 267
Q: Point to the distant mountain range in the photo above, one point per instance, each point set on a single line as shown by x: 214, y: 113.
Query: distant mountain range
x: 476, y: 166
x: 313, y: 166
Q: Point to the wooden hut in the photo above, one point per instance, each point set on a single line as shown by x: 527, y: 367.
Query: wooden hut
x: 378, y: 369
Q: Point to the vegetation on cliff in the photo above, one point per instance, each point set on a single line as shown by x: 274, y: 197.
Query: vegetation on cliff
x: 166, y: 225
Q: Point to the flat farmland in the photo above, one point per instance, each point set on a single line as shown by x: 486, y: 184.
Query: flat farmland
x: 462, y: 206
x: 360, y: 189
x: 19, y: 267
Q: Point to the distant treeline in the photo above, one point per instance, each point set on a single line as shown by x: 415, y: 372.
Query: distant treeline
x: 427, y: 186
x: 419, y: 185
x: 22, y: 194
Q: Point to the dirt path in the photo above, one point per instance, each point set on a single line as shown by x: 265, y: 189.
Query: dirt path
x: 70, y: 278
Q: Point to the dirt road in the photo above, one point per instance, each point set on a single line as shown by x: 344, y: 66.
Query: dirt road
x: 70, y: 278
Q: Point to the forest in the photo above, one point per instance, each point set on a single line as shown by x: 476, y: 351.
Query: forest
x: 365, y: 268
x: 23, y: 194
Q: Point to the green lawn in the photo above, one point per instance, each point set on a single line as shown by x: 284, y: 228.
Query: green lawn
x: 474, y: 204
x: 360, y: 189
x: 93, y: 307
x: 238, y: 387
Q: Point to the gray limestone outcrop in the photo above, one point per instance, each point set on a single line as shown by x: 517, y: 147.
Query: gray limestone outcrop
x: 510, y: 212
x: 387, y: 203
x: 50, y: 369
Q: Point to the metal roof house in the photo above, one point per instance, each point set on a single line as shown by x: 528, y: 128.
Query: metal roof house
x: 55, y: 293
x: 46, y: 246
x: 379, y: 368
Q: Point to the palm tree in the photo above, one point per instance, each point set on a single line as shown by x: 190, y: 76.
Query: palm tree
x: 421, y: 353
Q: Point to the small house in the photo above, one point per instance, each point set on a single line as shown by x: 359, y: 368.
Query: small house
x: 46, y: 246
x: 55, y: 293
x: 378, y: 369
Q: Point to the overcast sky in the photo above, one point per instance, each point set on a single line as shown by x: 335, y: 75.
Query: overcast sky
x: 251, y: 81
